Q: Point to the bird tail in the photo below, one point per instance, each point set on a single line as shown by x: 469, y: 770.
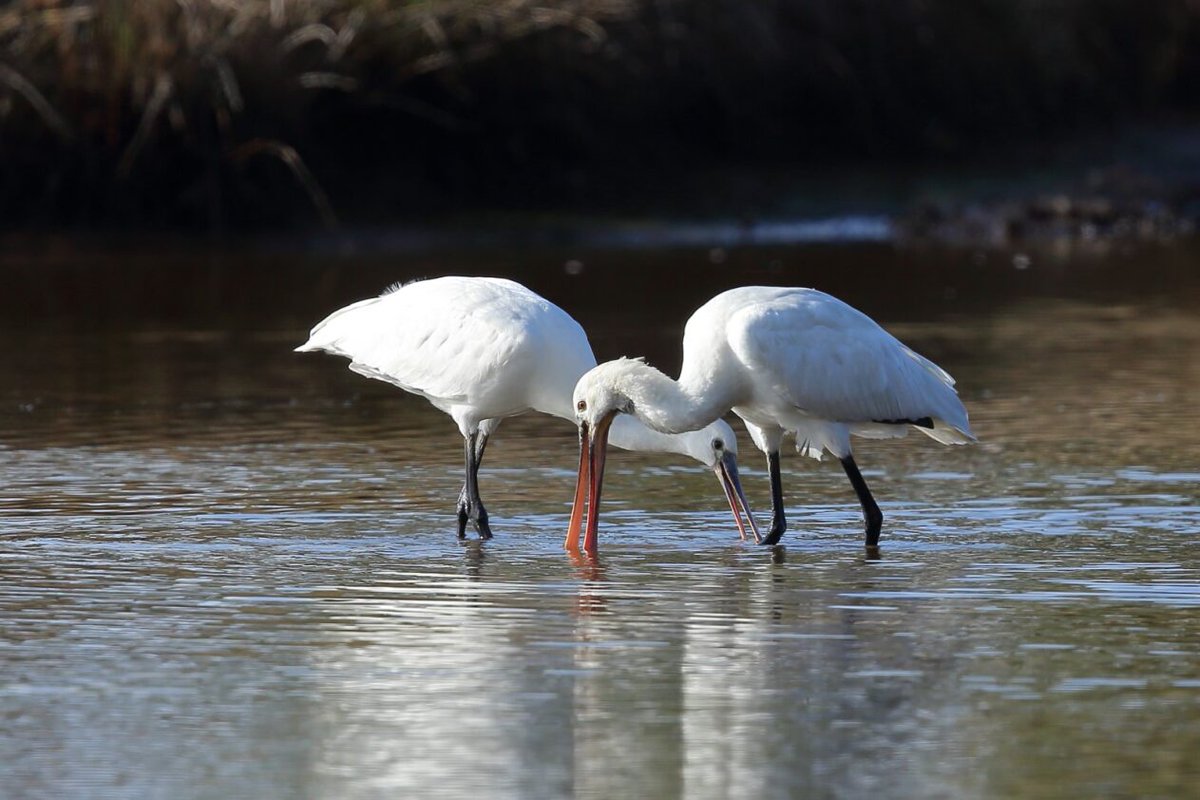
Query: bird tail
x: 947, y: 433
x: 948, y: 414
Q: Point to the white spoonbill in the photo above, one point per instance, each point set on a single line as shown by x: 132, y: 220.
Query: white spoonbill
x: 787, y: 361
x: 482, y: 349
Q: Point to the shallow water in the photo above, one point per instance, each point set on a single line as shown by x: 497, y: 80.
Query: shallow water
x: 230, y: 570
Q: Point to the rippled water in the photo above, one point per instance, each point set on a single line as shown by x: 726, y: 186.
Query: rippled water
x: 229, y: 570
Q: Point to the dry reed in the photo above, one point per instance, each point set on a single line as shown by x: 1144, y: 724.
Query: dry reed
x: 156, y: 105
x: 127, y: 76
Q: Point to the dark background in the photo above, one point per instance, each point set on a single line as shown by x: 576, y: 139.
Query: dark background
x: 155, y: 114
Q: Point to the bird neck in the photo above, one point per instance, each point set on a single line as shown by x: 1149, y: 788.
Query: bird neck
x: 670, y: 406
x: 626, y: 433
x: 629, y: 433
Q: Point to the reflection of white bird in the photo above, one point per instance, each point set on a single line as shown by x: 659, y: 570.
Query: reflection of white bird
x: 482, y: 349
x: 786, y: 361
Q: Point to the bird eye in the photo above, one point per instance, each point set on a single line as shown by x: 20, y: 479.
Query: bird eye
x: 581, y: 405
x: 717, y: 444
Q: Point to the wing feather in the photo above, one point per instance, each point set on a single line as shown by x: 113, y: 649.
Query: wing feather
x: 832, y: 362
x: 445, y: 339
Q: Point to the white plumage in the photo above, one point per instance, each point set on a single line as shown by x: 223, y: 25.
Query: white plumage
x: 483, y: 349
x: 787, y: 361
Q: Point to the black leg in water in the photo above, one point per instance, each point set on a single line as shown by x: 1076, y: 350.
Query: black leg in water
x: 872, y: 516
x: 481, y: 515
x: 778, y: 519
x: 462, y: 511
x: 470, y: 506
x: 464, y: 497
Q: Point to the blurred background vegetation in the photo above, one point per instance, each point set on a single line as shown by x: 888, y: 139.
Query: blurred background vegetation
x: 211, y: 114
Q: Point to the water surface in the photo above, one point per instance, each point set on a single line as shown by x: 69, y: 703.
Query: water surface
x: 230, y: 570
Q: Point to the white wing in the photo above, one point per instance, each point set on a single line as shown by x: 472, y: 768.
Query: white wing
x: 455, y: 341
x: 833, y: 362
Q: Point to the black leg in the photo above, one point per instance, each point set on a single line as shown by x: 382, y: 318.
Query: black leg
x: 476, y: 444
x: 463, y: 512
x: 872, y: 516
x: 464, y: 497
x: 470, y: 506
x: 778, y: 519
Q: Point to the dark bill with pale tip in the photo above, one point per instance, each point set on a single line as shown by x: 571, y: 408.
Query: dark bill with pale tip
x: 727, y: 473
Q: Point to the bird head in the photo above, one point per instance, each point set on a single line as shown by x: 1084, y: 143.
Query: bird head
x: 716, y: 446
x: 603, y: 393
x: 711, y: 444
x: 610, y: 389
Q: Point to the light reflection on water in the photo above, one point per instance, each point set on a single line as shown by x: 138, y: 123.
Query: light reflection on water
x: 231, y: 570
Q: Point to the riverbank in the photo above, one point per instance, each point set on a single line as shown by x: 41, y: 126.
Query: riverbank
x: 269, y: 115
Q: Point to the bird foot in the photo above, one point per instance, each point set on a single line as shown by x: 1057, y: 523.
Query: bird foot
x: 874, y: 526
x: 775, y: 533
x: 477, y: 517
x: 481, y: 525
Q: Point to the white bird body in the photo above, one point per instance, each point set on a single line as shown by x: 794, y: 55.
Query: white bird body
x: 786, y: 360
x: 803, y: 362
x: 484, y: 349
x: 470, y: 346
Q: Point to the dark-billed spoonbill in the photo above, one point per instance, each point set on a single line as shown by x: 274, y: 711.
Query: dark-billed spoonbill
x: 787, y: 361
x: 483, y: 349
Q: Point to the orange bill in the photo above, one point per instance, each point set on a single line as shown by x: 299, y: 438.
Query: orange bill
x: 593, y: 446
x: 573, y: 527
x: 597, y: 454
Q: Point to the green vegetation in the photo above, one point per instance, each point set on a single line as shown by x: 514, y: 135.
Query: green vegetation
x: 261, y: 112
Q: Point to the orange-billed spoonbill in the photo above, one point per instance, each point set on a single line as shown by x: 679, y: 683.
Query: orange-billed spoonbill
x: 482, y: 349
x: 786, y: 361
